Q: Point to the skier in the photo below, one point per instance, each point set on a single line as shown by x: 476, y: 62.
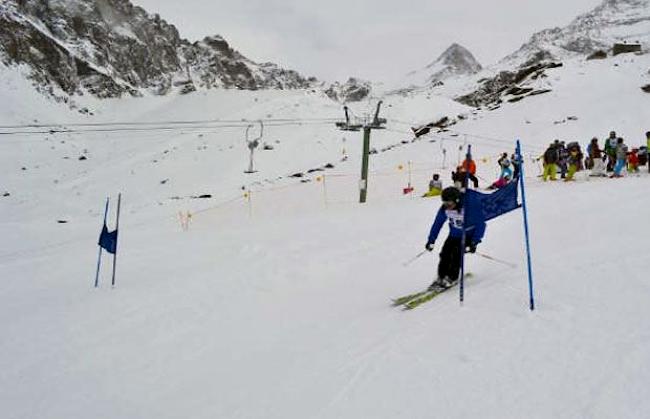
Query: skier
x: 610, y: 150
x: 596, y: 156
x: 504, y: 164
x: 574, y: 160
x: 621, y: 158
x: 435, y: 186
x: 633, y: 161
x: 550, y: 157
x: 450, y: 256
x: 516, y: 163
x: 468, y: 168
x: 500, y: 183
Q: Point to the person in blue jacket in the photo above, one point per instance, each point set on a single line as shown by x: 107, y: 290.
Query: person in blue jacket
x: 450, y: 256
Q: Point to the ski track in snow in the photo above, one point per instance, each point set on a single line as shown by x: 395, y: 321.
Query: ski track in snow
x: 279, y: 307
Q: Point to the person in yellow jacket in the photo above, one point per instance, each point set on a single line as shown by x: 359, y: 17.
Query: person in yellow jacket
x: 550, y: 158
x: 435, y: 186
x: 575, y: 159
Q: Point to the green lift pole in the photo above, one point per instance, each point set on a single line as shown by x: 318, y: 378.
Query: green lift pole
x: 363, y: 186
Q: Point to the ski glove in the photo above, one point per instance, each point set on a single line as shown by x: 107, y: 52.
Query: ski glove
x: 471, y: 248
x: 429, y: 246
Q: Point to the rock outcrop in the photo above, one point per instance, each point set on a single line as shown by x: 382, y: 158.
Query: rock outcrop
x: 109, y: 48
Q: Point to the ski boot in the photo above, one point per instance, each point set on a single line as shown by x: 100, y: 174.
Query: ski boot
x: 442, y: 284
x: 448, y: 282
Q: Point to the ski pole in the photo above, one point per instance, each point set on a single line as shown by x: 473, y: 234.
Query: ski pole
x: 413, y: 258
x: 503, y: 262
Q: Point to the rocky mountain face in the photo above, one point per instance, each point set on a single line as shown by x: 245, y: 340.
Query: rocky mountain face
x: 455, y: 61
x: 111, y: 47
x: 511, y: 86
x: 353, y: 90
x: 612, y: 27
x: 613, y: 21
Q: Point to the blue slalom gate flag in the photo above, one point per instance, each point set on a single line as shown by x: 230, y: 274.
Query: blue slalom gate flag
x: 481, y: 207
x: 108, y: 240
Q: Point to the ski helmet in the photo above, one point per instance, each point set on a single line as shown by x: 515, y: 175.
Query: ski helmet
x: 450, y: 194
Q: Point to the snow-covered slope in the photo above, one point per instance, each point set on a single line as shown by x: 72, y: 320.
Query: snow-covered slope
x: 275, y: 303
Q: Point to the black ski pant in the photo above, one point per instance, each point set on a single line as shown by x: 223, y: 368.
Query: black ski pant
x: 474, y: 180
x: 449, y: 264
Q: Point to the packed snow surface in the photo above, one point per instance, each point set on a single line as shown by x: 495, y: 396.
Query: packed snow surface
x: 275, y: 303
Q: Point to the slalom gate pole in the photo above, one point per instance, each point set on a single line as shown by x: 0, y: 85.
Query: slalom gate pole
x: 99, y: 258
x: 117, y: 233
x: 468, y: 157
x: 407, y: 263
x: 525, y: 210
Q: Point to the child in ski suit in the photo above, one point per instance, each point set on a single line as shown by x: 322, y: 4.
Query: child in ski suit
x: 621, y: 157
x: 610, y: 150
x: 504, y: 164
x: 550, y: 160
x: 500, y: 183
x: 574, y: 160
x: 435, y: 186
x: 468, y: 168
x: 596, y: 158
x: 516, y: 163
x: 633, y: 161
x: 450, y: 256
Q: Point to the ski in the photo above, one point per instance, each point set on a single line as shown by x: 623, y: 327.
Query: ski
x: 426, y: 297
x: 406, y: 298
x: 411, y: 301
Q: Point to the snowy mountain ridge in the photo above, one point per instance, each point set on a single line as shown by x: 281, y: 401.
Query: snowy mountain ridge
x: 111, y: 48
x: 614, y: 27
x: 613, y: 21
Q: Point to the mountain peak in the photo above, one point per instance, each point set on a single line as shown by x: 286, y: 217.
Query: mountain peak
x: 459, y: 57
x: 456, y: 60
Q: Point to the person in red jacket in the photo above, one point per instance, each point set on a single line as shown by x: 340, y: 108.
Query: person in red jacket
x: 633, y: 161
x: 468, y: 167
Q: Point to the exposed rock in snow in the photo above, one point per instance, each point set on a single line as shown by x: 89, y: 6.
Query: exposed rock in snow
x: 505, y: 83
x: 353, y: 90
x: 598, y: 55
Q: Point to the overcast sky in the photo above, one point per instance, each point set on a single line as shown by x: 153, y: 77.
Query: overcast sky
x: 374, y: 40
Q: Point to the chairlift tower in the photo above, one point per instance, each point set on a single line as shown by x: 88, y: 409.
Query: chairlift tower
x: 377, y: 123
x: 252, y: 145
